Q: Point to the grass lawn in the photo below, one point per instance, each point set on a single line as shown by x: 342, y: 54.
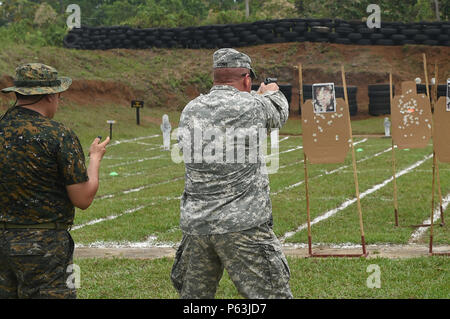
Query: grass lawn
x: 310, y: 278
x: 141, y: 204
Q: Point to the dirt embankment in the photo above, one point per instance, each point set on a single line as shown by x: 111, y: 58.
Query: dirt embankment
x: 89, y: 92
x: 321, y: 62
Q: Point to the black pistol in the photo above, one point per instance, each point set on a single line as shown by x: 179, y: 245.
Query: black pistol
x: 270, y: 80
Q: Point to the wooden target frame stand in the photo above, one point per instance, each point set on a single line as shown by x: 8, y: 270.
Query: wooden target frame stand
x: 440, y: 153
x: 436, y: 176
x: 346, y: 117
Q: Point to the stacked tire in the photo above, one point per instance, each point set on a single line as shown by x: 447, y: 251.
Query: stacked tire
x: 442, y: 90
x: 351, y: 94
x: 393, y: 33
x: 379, y: 99
x: 422, y: 89
x: 259, y: 32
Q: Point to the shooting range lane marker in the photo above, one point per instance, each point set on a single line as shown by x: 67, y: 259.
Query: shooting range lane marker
x: 157, y: 147
x: 115, y: 143
x: 136, y: 161
x: 156, y: 250
x: 286, y: 151
x: 419, y: 232
x: 113, y: 158
x: 139, y: 159
x: 149, y: 243
x: 299, y: 162
x: 179, y: 197
x: 291, y: 164
x: 112, y: 217
x: 353, y: 200
x: 138, y: 189
x: 148, y: 198
x: 327, y: 173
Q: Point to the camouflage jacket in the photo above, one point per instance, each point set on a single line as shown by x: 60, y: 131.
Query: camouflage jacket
x: 223, y: 195
x: 38, y: 157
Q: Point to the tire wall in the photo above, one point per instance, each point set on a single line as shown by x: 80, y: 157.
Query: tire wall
x: 379, y: 99
x: 260, y: 32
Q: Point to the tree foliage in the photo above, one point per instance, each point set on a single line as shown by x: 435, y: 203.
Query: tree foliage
x: 43, y: 21
x: 401, y: 11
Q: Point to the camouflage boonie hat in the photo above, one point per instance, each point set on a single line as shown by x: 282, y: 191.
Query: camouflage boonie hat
x: 37, y: 78
x: 230, y: 58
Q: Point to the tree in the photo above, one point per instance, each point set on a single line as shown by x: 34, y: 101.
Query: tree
x: 278, y: 9
x: 423, y: 10
x: 45, y: 15
x: 438, y: 15
x: 16, y: 10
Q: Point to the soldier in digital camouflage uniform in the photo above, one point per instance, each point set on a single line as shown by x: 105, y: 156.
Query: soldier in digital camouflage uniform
x: 42, y: 174
x: 226, y: 211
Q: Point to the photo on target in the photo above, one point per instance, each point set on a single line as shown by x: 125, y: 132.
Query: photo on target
x: 324, y: 99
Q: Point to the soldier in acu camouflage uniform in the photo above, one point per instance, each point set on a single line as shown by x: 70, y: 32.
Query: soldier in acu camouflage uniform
x: 226, y: 212
x: 42, y: 176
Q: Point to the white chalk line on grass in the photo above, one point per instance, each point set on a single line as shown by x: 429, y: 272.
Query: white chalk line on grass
x: 134, y: 190
x: 436, y: 216
x: 150, y: 242
x: 299, y: 162
x: 349, y: 202
x: 144, y: 172
x: 114, y: 157
x: 126, y: 212
x: 147, y: 186
x: 136, y: 161
x: 140, y: 160
x: 164, y: 182
x: 115, y: 143
x: 331, y: 172
x: 138, y: 189
x: 283, y: 152
x: 157, y: 146
x: 289, y: 234
x: 129, y: 211
x: 111, y: 217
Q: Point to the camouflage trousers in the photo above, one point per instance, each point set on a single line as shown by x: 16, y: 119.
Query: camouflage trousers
x: 253, y: 259
x: 33, y: 263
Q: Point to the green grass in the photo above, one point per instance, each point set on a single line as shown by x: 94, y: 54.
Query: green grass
x: 310, y: 278
x: 142, y: 201
x: 148, y: 179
